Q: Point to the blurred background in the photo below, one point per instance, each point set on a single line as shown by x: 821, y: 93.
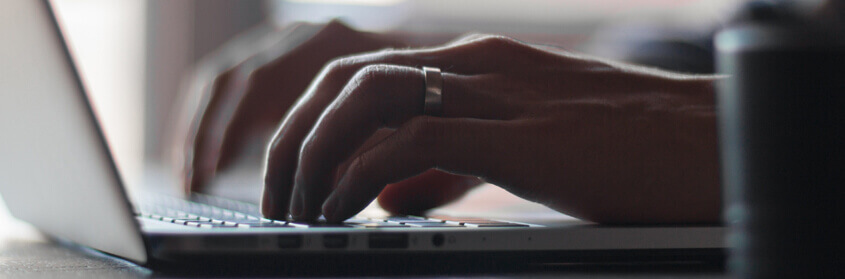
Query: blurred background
x: 135, y: 55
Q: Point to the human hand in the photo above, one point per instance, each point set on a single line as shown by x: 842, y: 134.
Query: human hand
x: 249, y: 85
x: 597, y: 140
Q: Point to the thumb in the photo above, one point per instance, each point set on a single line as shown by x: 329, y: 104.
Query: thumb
x: 428, y: 190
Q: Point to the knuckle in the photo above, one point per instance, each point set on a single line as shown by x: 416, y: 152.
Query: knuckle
x: 468, y: 38
x: 255, y: 76
x: 373, y: 88
x: 496, y: 42
x: 474, y: 35
x: 374, y: 70
x: 336, y: 64
x: 370, y: 76
x: 337, y: 67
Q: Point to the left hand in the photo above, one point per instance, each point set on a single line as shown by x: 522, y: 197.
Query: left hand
x: 594, y: 139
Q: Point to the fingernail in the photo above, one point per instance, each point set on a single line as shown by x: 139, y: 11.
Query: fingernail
x: 331, y: 205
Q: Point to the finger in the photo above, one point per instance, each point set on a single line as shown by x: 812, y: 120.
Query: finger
x: 276, y: 84
x: 253, y: 119
x: 379, y: 96
x: 201, y: 159
x: 418, y: 194
x: 283, y: 150
x: 458, y: 145
x: 206, y: 127
x: 312, y: 179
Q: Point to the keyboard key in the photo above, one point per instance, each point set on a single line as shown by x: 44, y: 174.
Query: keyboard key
x: 405, y: 218
x: 266, y: 225
x: 477, y: 222
x: 323, y: 225
x: 434, y: 224
x: 213, y: 212
x: 457, y: 219
x: 467, y: 220
x: 420, y: 221
x: 377, y: 225
x: 251, y: 222
x: 487, y: 222
x: 196, y: 224
x: 353, y: 221
x: 298, y: 225
x: 497, y: 225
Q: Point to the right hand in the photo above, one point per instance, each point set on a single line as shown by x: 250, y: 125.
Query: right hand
x: 245, y: 100
x: 594, y: 139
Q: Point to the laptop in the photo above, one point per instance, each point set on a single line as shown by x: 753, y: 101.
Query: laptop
x: 57, y: 173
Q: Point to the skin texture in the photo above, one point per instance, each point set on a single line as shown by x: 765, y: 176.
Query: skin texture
x: 249, y: 87
x: 597, y: 140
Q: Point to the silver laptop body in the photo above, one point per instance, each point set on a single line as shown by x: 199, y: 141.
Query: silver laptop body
x: 57, y: 173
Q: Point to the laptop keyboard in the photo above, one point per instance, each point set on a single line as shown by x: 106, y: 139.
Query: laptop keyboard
x: 209, y: 212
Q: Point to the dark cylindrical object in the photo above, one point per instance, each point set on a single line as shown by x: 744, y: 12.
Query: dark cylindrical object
x: 781, y: 114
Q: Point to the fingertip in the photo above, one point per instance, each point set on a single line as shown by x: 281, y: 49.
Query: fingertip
x: 309, y: 193
x: 300, y: 210
x: 269, y: 208
x: 275, y: 197
x: 331, y: 209
x: 296, y: 208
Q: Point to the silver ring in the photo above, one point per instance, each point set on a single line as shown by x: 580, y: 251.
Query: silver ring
x: 433, y: 92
